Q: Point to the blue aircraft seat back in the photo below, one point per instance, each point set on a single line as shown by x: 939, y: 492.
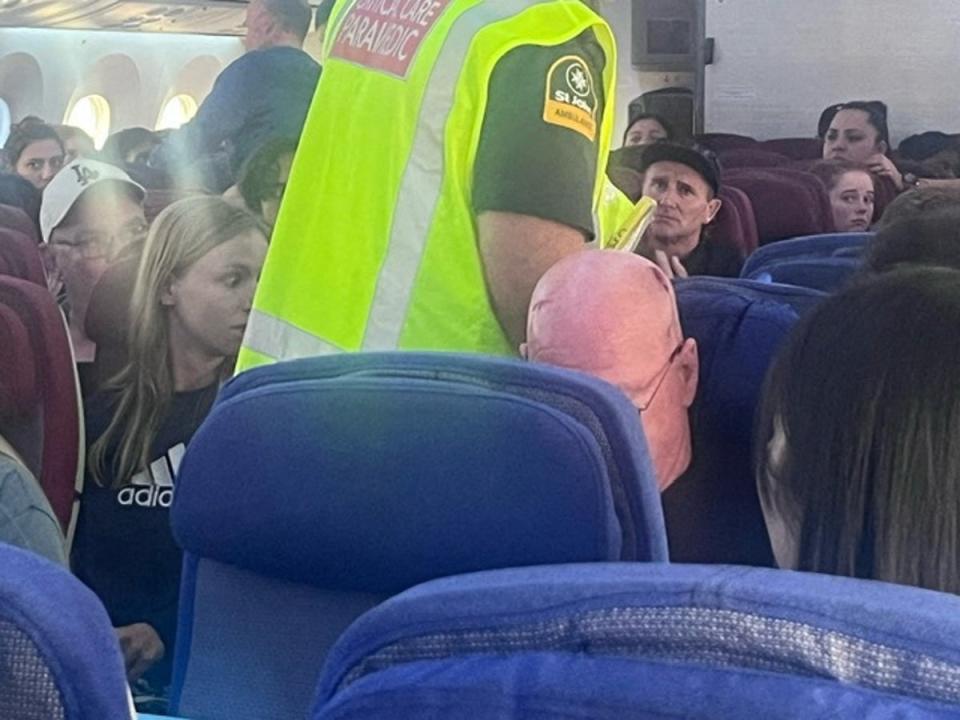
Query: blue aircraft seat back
x: 648, y: 640
x: 59, y: 656
x: 325, y: 485
x: 805, y: 248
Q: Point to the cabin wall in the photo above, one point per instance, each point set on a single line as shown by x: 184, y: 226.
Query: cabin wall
x: 632, y: 82
x: 778, y: 63
x: 44, y: 71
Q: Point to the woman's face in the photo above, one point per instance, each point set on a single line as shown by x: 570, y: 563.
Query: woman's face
x: 852, y: 137
x: 209, y: 304
x: 645, y: 132
x: 852, y: 201
x: 40, y: 161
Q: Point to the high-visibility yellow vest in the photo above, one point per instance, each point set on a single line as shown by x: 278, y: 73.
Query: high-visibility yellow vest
x: 375, y: 247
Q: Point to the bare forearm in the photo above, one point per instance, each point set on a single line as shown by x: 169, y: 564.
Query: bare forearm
x: 516, y: 251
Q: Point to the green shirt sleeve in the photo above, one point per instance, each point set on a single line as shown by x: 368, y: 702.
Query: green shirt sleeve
x: 538, y: 146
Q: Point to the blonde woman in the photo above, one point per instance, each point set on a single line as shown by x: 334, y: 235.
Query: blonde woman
x: 193, y: 292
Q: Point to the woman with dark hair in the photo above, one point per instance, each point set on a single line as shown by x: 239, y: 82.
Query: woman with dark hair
x: 852, y: 193
x: 858, y: 443
x: 858, y: 132
x: 645, y: 129
x: 130, y: 147
x: 34, y: 151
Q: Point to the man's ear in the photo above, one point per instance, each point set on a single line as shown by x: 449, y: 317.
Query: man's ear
x: 688, y: 367
x: 713, y: 207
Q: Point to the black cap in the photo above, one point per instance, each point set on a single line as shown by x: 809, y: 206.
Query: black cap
x: 693, y: 156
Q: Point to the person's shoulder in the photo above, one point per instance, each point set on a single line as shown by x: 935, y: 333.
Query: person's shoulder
x: 280, y: 55
x: 585, y: 45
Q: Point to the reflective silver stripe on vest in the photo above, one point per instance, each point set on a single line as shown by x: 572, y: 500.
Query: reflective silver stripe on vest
x: 280, y: 340
x: 422, y: 181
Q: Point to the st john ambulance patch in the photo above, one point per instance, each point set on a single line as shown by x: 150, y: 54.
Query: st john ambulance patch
x: 571, y: 100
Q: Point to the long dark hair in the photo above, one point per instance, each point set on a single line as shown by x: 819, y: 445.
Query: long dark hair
x: 865, y: 394
x: 29, y: 130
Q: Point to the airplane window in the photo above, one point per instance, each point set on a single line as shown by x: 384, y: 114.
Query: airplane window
x: 92, y: 115
x: 4, y: 121
x: 177, y: 110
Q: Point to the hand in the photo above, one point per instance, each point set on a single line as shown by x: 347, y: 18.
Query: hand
x: 882, y: 165
x: 670, y: 264
x: 141, y: 648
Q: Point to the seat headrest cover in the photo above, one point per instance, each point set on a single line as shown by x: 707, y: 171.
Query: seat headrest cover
x: 20, y: 257
x: 19, y: 393
x: 68, y: 626
x: 311, y: 469
x: 889, y: 638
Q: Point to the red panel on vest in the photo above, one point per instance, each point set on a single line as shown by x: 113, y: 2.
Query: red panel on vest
x: 385, y: 35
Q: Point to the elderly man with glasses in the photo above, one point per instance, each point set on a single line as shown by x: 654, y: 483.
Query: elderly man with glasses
x: 614, y: 315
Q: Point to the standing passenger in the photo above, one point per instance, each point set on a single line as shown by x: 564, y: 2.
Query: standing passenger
x: 264, y: 93
x: 190, y: 303
x: 442, y: 170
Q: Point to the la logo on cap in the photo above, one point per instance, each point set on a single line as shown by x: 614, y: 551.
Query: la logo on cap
x: 85, y: 175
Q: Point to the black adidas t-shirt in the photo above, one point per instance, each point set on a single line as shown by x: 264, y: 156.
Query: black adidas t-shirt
x: 538, y: 146
x: 123, y: 549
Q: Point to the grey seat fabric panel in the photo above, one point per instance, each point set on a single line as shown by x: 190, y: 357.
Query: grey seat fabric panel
x: 254, y: 629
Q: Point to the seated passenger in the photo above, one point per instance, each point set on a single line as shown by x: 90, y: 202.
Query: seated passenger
x: 919, y: 202
x: 131, y: 146
x: 858, y: 443
x: 927, y: 239
x: 645, y: 129
x: 852, y: 192
x: 34, y: 151
x: 684, y: 180
x: 263, y: 177
x: 17, y: 191
x: 26, y: 518
x: 193, y: 293
x: 90, y: 212
x: 858, y: 133
x: 937, y: 153
x: 76, y: 143
x: 614, y: 315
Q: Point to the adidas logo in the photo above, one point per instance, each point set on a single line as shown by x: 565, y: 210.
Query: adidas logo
x: 154, y: 486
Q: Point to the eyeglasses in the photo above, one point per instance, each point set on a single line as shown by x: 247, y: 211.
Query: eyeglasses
x: 93, y: 244
x: 661, y: 376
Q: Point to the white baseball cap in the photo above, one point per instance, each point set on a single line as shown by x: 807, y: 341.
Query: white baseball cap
x: 70, y: 183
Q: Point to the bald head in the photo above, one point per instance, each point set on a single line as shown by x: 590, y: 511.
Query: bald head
x: 614, y: 315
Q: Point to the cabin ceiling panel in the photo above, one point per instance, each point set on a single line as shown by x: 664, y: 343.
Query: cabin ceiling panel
x: 209, y: 17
